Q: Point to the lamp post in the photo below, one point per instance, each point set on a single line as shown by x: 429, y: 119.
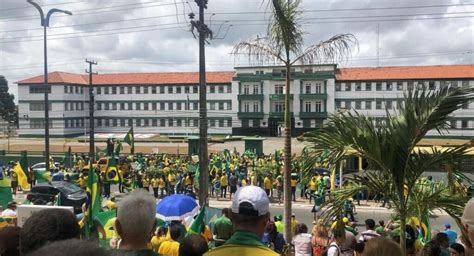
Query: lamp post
x: 45, y: 24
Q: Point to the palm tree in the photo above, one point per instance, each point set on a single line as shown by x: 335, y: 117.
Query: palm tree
x: 284, y: 44
x: 390, y: 149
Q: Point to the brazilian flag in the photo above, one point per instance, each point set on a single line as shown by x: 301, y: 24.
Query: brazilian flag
x: 111, y: 174
x: 5, y: 190
x: 43, y: 176
x: 130, y: 140
x: 21, y: 170
x: 199, y: 222
x: 93, y: 202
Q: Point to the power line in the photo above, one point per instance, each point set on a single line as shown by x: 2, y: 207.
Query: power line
x: 55, y: 4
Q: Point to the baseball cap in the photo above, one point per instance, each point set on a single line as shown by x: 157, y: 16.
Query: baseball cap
x: 250, y: 200
x: 345, y: 220
x: 447, y: 225
x: 468, y: 215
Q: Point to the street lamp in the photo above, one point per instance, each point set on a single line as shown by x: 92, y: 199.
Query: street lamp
x: 45, y: 24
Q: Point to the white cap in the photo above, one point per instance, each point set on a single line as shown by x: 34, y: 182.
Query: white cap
x: 468, y: 215
x: 250, y: 200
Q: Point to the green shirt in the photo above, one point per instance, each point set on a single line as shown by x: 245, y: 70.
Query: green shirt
x: 242, y: 243
x: 223, y: 228
x: 143, y: 252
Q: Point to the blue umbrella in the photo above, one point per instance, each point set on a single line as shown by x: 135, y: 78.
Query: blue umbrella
x: 176, y: 207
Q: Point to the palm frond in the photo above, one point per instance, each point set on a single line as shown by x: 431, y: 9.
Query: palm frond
x: 259, y: 49
x: 333, y: 50
x: 284, y: 28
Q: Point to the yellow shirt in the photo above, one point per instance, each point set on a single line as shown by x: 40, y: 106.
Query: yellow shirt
x: 161, y: 183
x: 146, y: 182
x: 313, y: 184
x: 156, y: 242
x: 294, y: 182
x: 267, y: 183
x: 170, y: 248
x: 240, y: 250
x: 224, y: 182
x: 188, y: 181
x: 172, y: 179
x: 154, y: 182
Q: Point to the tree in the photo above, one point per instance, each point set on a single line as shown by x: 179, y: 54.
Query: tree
x: 284, y: 44
x: 8, y: 110
x: 390, y: 151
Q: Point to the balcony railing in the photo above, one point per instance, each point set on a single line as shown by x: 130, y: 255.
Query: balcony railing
x: 304, y: 115
x: 251, y: 115
x: 317, y: 96
x: 274, y: 97
x: 279, y: 114
x: 250, y: 97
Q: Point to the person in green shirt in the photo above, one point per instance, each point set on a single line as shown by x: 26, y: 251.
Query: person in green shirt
x: 223, y: 228
x: 381, y: 229
x: 249, y: 213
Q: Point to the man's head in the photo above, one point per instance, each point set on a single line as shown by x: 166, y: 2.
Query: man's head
x: 47, y: 226
x: 467, y: 220
x: 442, y: 239
x: 370, y: 224
x: 9, y: 241
x: 136, y: 218
x: 73, y: 247
x: 250, y: 209
x: 175, y: 232
x: 193, y: 245
x: 12, y: 205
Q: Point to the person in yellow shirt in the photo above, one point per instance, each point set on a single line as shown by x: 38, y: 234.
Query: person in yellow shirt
x: 294, y: 222
x: 267, y: 184
x: 171, y: 183
x: 224, y: 183
x: 294, y: 182
x: 158, y: 238
x: 161, y: 186
x: 171, y: 247
x: 146, y: 183
x: 155, y: 185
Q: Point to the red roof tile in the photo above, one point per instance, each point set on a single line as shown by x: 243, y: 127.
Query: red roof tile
x: 406, y: 72
x: 132, y: 78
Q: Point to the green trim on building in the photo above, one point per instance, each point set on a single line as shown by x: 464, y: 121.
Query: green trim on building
x: 54, y: 101
x: 313, y: 96
x: 251, y: 115
x: 250, y: 97
x: 279, y: 114
x: 313, y: 115
x: 274, y: 97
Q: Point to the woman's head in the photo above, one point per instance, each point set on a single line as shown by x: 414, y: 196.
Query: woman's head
x: 301, y: 228
x: 320, y: 230
x: 456, y: 249
x: 381, y: 246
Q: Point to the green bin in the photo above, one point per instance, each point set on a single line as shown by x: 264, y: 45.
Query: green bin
x: 254, y: 144
x: 193, y: 146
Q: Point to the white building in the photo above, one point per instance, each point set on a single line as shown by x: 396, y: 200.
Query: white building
x: 248, y: 101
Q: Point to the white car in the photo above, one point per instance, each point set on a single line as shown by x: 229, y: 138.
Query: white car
x: 42, y: 166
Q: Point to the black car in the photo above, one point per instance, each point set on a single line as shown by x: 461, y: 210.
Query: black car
x: 71, y: 195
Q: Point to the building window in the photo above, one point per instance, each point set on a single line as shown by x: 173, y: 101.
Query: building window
x: 378, y: 104
x: 99, y: 106
x: 179, y: 122
x: 39, y: 106
x: 195, y: 89
x: 212, y: 89
x: 358, y: 104
x: 319, y: 106
x: 279, y: 89
x: 338, y: 87
x: 212, y: 123
x: 153, y: 106
x: 246, y: 89
x: 410, y: 85
x: 106, y: 106
x: 137, y: 106
x: 229, y: 105
x: 255, y: 106
x: 170, y: 106
x: 145, y: 89
x: 162, y: 106
x: 221, y: 122
x: 347, y: 104
x: 368, y: 104
x: 129, y: 90
x: 431, y: 85
x: 378, y: 86
x: 388, y: 104
x: 106, y: 90
x: 465, y: 84
x: 170, y: 122
x: 130, y: 106
x: 221, y: 105
x: 421, y: 85
x: 178, y: 89
x: 114, y: 106
x: 154, y: 122
x: 279, y: 107
x: 348, y: 87
x: 145, y: 106
x: 122, y: 90
x: 65, y: 89
x: 170, y: 89
x: 122, y: 106
x: 358, y: 86
x: 146, y: 122
x: 399, y: 86
x: 162, y: 89
x: 195, y: 105
x: 162, y: 122
x: 307, y: 106
x: 77, y: 89
x: 246, y: 107
x: 137, y: 90
x: 368, y: 86
x: 464, y: 124
x: 178, y: 105
x: 221, y: 89
x: 318, y: 88
x: 66, y: 106
x: 212, y: 106
x: 229, y: 88
x: 453, y: 124
x: 388, y: 86
x: 40, y: 89
x: 114, y: 90
x: 337, y: 104
x: 153, y: 89
x: 255, y: 89
x: 186, y: 89
x: 122, y: 122
x: 98, y: 90
x: 307, y: 89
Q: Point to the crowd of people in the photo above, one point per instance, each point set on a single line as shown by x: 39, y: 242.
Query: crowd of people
x: 245, y: 228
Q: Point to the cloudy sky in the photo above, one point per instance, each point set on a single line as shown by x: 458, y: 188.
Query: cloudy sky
x: 154, y: 35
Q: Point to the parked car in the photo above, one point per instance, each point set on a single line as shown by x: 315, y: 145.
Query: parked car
x: 42, y: 166
x: 71, y: 195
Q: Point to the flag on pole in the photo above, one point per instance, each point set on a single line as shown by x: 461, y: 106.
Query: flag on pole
x: 42, y: 176
x: 5, y: 190
x: 198, y: 224
x: 129, y: 139
x: 21, y: 170
x: 57, y: 199
x: 67, y: 158
x: 118, y: 148
x: 93, y: 202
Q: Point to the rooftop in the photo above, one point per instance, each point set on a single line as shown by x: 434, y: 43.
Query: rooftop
x: 406, y: 72
x: 131, y: 78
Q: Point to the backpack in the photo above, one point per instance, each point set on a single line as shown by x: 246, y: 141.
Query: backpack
x: 325, y: 253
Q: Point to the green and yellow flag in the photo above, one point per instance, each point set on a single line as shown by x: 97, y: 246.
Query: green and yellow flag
x: 198, y: 224
x: 129, y: 139
x: 111, y: 174
x: 43, y: 176
x: 5, y: 190
x: 21, y: 170
x: 93, y: 202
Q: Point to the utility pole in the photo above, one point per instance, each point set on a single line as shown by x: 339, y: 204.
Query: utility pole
x: 204, y: 32
x: 91, y: 111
